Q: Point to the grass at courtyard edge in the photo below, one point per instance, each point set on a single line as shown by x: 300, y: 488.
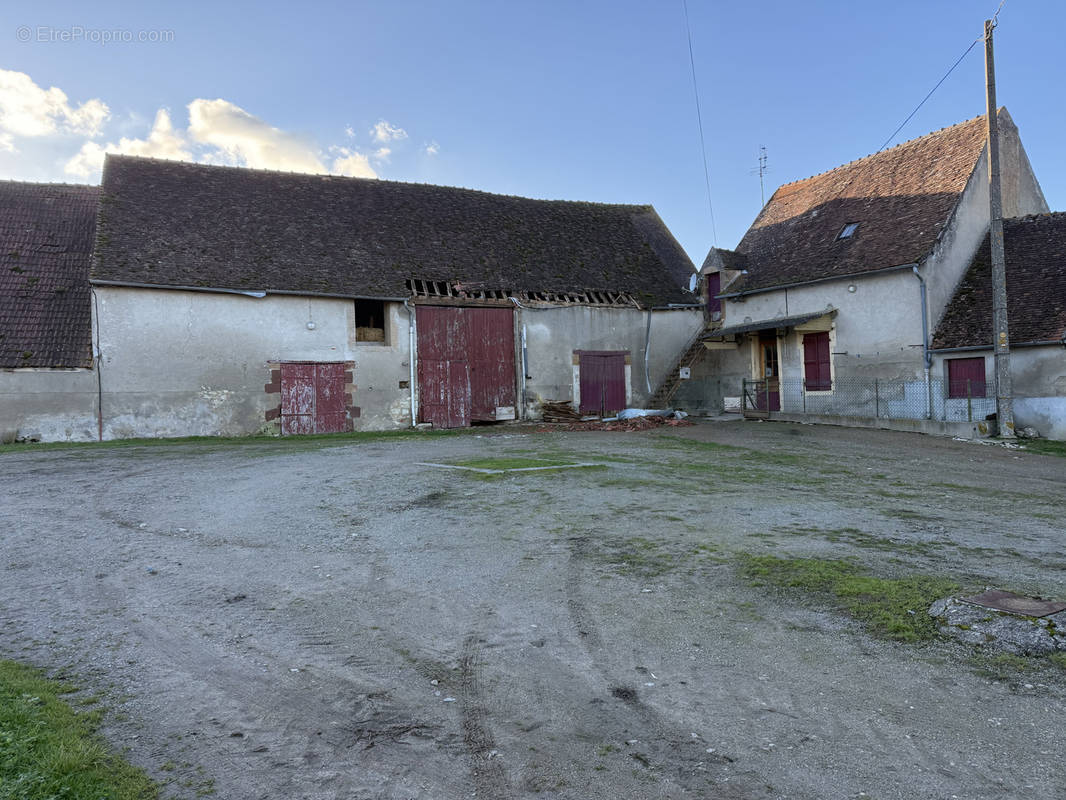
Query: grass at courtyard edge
x: 49, y: 751
x: 894, y: 608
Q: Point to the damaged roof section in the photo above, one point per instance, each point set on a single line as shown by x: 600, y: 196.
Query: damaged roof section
x: 46, y: 237
x: 1035, y: 252
x: 467, y: 291
x: 898, y: 201
x: 167, y: 223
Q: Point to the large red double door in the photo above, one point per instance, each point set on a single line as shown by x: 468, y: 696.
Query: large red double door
x: 466, y: 365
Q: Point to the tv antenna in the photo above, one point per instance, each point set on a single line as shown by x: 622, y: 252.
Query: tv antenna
x: 762, y: 169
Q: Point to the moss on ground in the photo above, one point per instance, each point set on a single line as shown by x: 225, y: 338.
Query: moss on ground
x: 1046, y: 447
x: 49, y: 751
x: 893, y: 608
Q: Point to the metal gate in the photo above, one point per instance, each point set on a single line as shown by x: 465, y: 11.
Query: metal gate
x: 760, y: 398
x: 466, y: 365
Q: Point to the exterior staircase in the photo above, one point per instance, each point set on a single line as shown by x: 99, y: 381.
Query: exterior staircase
x: 668, y: 388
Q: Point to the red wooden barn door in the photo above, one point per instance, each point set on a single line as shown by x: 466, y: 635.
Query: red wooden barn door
x: 466, y: 366
x: 313, y: 398
x: 490, y: 345
x: 602, y: 382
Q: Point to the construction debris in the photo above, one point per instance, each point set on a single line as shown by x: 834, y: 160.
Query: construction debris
x: 635, y: 424
x: 559, y: 411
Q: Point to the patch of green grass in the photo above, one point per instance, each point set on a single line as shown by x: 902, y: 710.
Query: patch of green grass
x: 1046, y: 447
x: 282, y: 443
x: 894, y: 608
x: 1002, y: 666
x: 50, y: 752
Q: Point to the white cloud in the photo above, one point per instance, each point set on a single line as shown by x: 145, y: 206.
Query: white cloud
x: 387, y: 132
x: 351, y: 163
x: 246, y: 140
x: 27, y: 110
x: 218, y: 132
x: 432, y: 149
x: 162, y: 142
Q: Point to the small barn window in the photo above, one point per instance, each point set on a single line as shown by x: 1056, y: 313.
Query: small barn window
x: 848, y: 230
x: 370, y: 321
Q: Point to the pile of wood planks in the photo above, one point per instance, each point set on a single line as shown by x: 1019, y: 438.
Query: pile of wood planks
x: 559, y: 411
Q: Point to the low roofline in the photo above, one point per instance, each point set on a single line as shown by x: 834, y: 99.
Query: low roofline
x: 975, y: 347
x: 767, y: 324
x: 826, y: 279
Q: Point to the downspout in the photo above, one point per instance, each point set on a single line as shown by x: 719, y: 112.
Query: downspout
x: 647, y: 347
x: 525, y: 369
x: 98, y: 360
x: 926, y: 358
x: 525, y: 349
x: 411, y: 358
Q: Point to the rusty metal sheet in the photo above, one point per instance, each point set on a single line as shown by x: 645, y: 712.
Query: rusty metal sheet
x: 1016, y: 603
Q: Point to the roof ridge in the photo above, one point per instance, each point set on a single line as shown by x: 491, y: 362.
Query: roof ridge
x: 48, y: 184
x: 879, y: 152
x: 334, y: 177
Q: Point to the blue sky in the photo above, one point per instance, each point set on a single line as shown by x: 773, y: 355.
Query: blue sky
x: 552, y: 99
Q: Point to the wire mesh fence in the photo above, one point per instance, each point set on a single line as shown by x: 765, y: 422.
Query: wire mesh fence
x: 937, y: 399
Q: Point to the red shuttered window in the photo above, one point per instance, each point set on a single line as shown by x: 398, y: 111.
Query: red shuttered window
x: 816, y: 359
x: 714, y: 286
x: 966, y: 377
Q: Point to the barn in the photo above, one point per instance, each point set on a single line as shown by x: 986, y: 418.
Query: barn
x: 229, y: 301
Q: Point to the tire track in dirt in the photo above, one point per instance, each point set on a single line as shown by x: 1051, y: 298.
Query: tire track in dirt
x: 662, y: 748
x: 490, y: 777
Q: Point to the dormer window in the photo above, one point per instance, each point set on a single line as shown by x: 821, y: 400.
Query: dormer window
x: 848, y: 230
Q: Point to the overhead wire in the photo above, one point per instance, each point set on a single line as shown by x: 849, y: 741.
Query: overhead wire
x: 958, y: 61
x: 699, y: 120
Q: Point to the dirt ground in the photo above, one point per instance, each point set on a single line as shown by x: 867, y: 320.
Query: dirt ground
x: 324, y: 619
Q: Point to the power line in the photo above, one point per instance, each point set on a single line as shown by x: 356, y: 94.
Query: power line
x: 917, y: 107
x: 910, y: 116
x: 699, y: 120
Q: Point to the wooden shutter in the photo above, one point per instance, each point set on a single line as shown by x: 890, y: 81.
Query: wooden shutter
x: 714, y: 286
x: 816, y: 357
x: 963, y: 371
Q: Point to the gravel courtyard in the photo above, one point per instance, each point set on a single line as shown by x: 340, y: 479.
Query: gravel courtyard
x: 360, y: 619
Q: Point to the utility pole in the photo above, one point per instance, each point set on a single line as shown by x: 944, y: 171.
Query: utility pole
x: 1001, y: 343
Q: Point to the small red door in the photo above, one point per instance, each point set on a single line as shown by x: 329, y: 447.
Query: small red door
x: 602, y: 382
x: 313, y: 398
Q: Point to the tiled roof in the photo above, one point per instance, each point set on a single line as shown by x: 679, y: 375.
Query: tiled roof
x: 46, y: 237
x: 168, y: 223
x: 901, y: 199
x: 725, y: 259
x: 1035, y: 250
